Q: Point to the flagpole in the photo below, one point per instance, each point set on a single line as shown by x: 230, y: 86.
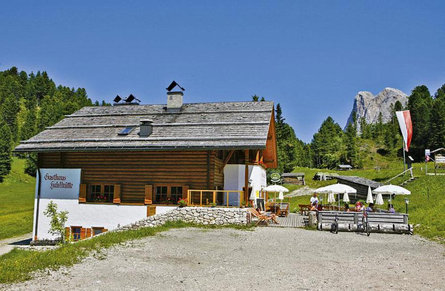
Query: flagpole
x: 404, y: 159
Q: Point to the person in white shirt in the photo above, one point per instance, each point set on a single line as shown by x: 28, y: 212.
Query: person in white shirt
x: 314, y: 199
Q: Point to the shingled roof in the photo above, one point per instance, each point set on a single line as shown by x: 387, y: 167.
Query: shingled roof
x: 223, y: 125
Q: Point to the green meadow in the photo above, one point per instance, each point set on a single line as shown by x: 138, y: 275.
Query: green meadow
x: 16, y: 201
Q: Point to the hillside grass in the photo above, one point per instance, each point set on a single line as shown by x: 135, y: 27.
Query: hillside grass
x: 19, y: 265
x: 16, y: 201
x: 426, y: 206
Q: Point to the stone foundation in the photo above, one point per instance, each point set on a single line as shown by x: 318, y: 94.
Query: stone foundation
x: 198, y: 215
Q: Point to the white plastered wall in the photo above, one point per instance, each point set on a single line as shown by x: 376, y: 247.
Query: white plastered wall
x: 234, y: 179
x: 109, y: 216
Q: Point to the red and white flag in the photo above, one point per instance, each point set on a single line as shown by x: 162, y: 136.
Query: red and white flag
x: 406, y: 127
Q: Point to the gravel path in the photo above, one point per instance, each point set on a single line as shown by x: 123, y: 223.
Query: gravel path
x: 263, y: 259
x: 8, y: 244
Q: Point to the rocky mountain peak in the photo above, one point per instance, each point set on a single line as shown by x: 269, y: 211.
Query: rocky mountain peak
x: 369, y: 106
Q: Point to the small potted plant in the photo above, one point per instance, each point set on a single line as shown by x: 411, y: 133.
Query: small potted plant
x: 243, y: 204
x: 182, y: 202
x: 213, y: 205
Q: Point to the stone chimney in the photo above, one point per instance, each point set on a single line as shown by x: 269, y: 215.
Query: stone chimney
x: 146, y: 127
x: 174, y: 101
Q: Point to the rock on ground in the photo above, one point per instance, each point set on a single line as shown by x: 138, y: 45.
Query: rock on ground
x: 263, y: 259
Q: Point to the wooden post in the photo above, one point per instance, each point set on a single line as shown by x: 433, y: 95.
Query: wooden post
x: 246, y: 176
x: 200, y: 198
x: 214, y: 197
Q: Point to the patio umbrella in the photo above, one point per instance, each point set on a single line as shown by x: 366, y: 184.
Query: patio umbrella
x: 379, y: 199
x: 369, y: 197
x: 346, y: 197
x: 331, y: 198
x: 276, y: 188
x: 281, y: 196
x: 336, y: 189
x: 390, y: 190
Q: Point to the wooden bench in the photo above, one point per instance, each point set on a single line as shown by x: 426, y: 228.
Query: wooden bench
x: 353, y: 221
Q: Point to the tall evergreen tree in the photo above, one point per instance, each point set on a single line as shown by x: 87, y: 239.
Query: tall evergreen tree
x: 420, y: 104
x: 5, y: 149
x: 327, y: 145
x: 9, y: 110
x: 437, y: 135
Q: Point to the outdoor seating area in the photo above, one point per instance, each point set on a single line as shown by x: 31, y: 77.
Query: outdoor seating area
x: 364, y: 222
x: 279, y: 208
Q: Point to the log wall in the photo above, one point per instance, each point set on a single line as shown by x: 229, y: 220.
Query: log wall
x: 134, y: 170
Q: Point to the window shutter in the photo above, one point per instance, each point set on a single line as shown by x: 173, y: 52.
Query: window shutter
x: 83, y: 193
x: 151, y: 210
x: 148, y: 194
x: 88, y: 232
x: 83, y: 232
x: 67, y: 233
x: 184, y: 192
x: 117, y: 194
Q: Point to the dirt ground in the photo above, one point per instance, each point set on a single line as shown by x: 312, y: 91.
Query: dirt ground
x: 263, y: 259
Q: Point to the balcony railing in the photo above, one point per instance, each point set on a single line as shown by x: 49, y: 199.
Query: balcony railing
x: 228, y: 198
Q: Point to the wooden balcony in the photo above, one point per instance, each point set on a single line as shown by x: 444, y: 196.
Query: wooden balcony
x: 227, y: 198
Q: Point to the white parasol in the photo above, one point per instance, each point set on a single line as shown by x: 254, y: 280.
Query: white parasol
x: 276, y: 188
x: 336, y: 189
x: 390, y: 190
x: 379, y: 200
x: 281, y: 196
x: 369, y: 197
x: 331, y: 198
x: 346, y: 197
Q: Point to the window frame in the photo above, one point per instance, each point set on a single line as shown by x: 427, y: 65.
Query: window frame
x: 169, y: 193
x: 110, y: 195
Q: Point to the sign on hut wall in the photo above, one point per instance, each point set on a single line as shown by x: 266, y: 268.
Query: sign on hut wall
x: 59, y: 183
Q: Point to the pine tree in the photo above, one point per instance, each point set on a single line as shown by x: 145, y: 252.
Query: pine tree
x: 5, y: 149
x: 420, y: 104
x: 437, y: 136
x: 328, y: 145
x: 9, y: 111
x: 255, y: 98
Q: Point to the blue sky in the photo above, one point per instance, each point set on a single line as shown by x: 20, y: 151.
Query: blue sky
x: 310, y: 56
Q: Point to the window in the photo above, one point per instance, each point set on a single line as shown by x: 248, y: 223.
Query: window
x: 161, y: 195
x: 175, y: 194
x: 101, y: 193
x: 75, y: 232
x: 167, y: 194
x: 97, y: 230
x: 126, y: 130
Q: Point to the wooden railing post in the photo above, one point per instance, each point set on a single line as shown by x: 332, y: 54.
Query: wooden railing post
x: 214, y: 197
x: 200, y: 198
x: 241, y: 194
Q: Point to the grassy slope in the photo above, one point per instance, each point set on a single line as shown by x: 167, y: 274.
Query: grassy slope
x: 427, y: 201
x: 16, y: 202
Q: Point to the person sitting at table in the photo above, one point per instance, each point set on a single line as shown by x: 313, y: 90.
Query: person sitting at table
x: 358, y: 206
x: 347, y: 208
x: 370, y: 208
x: 314, y: 198
x: 314, y: 206
x: 391, y: 208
